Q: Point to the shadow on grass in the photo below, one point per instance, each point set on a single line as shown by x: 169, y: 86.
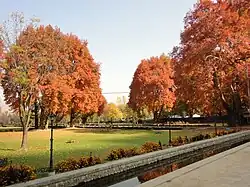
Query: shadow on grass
x: 7, y: 149
x: 106, y: 131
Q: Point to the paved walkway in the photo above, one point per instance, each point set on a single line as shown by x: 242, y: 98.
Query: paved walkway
x: 227, y: 169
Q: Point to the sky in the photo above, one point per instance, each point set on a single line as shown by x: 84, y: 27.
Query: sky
x: 120, y: 33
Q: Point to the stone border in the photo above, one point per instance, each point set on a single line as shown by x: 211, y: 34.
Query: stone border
x: 128, y: 165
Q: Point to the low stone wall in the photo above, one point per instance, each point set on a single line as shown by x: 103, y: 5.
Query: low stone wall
x: 115, y: 171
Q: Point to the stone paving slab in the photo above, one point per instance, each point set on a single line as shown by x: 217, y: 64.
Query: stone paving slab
x: 227, y: 169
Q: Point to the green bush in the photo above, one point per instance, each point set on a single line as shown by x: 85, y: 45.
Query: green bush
x: 12, y: 174
x: 150, y: 147
x: 67, y: 165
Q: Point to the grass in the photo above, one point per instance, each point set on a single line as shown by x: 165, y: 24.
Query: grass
x: 85, y: 141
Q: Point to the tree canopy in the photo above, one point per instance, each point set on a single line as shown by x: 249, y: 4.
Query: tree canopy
x: 53, y: 68
x: 152, y: 86
x: 211, y: 59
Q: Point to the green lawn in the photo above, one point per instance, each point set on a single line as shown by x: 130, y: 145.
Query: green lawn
x: 86, y: 141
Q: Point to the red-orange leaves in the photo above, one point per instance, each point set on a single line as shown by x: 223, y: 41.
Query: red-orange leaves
x: 214, y: 50
x: 152, y: 85
x: 87, y: 95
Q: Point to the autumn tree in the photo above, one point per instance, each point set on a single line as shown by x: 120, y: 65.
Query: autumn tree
x: 152, y: 86
x: 53, y: 70
x: 14, y: 75
x: 23, y: 73
x: 127, y: 112
x: 94, y: 115
x: 87, y: 97
x: 210, y: 61
x: 112, y: 112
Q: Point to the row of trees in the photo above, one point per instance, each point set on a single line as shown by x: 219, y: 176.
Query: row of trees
x: 120, y: 112
x: 46, y: 72
x: 207, y: 70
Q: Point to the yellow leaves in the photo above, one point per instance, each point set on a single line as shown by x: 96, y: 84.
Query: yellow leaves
x: 112, y: 112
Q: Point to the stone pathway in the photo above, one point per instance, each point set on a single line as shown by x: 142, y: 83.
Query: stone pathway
x: 227, y: 169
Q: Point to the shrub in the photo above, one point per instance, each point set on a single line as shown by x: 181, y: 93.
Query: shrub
x: 86, y: 161
x: 121, y: 153
x: 213, y: 135
x: 83, y: 162
x: 174, y: 143
x: 67, y: 165
x: 185, y: 140
x: 180, y: 141
x: 200, y: 137
x: 197, y: 138
x: 4, y: 162
x: 131, y: 152
x: 193, y: 139
x: 114, y: 155
x: 220, y: 133
x: 93, y: 160
x: 149, y: 147
x: 12, y: 174
x: 207, y: 136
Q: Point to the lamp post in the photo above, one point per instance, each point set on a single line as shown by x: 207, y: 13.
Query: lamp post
x: 169, y: 134
x: 51, y: 169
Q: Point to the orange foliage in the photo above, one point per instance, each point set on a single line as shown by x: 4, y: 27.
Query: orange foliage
x: 152, y: 85
x: 53, y: 68
x: 87, y: 96
x: 61, y: 68
x: 212, y: 55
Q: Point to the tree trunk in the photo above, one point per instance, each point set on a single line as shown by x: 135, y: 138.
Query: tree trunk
x: 25, y: 125
x: 36, y: 115
x: 42, y: 119
x: 72, y: 117
x: 155, y: 116
x: 84, y: 119
x: 46, y: 123
x: 161, y: 110
x: 24, y: 144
